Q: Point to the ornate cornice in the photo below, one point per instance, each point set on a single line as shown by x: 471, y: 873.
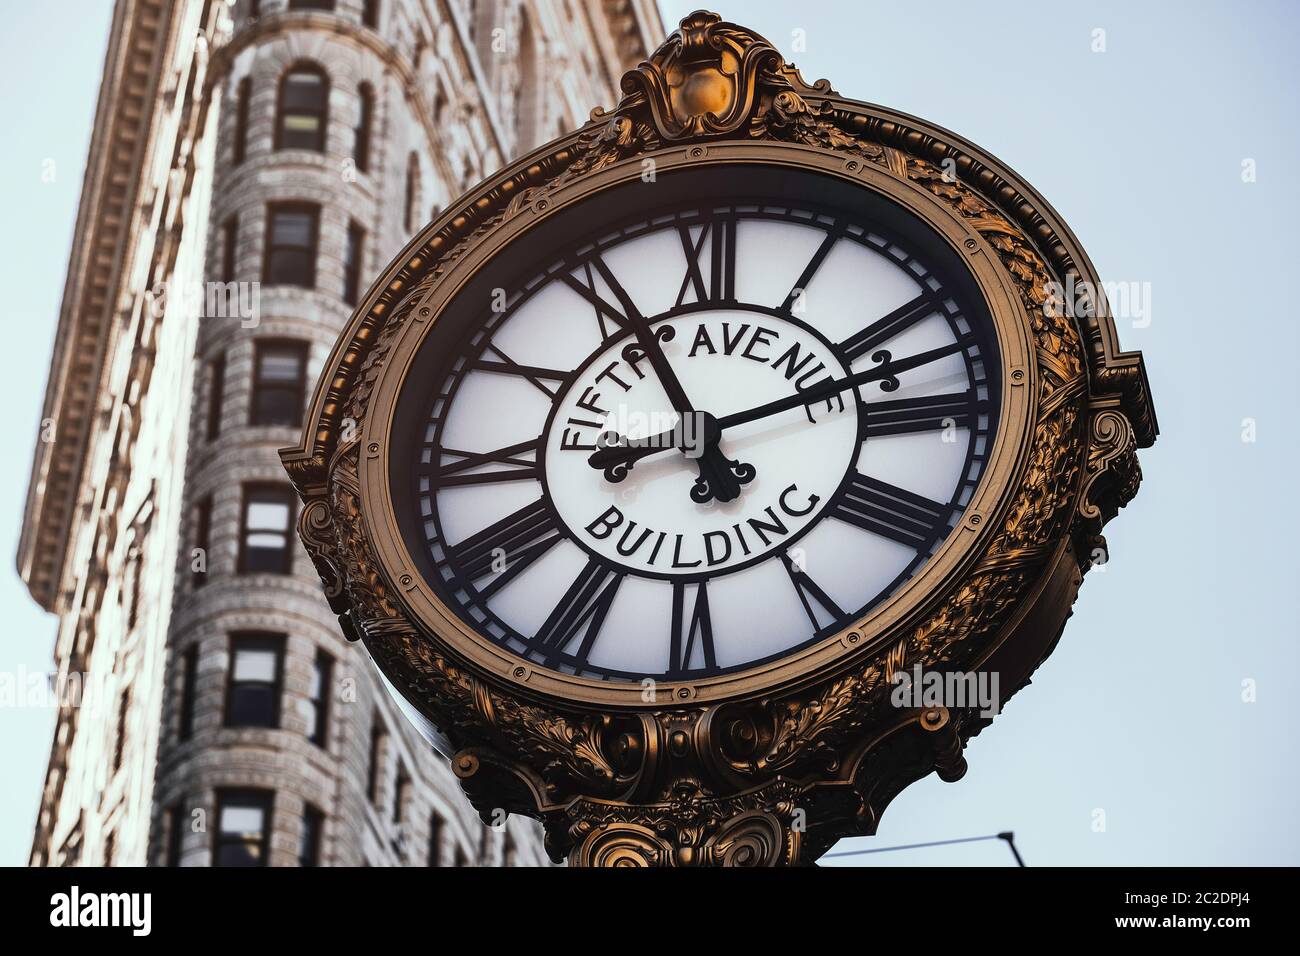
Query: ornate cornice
x: 771, y: 777
x: 109, y: 214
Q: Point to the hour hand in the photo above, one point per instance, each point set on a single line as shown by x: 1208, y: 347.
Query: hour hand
x: 720, y: 477
x: 615, y: 455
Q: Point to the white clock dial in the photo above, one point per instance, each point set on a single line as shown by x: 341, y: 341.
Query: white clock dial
x: 728, y: 360
x: 702, y: 440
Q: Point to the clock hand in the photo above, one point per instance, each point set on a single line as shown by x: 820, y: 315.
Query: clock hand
x: 720, y: 477
x: 886, y: 373
x: 617, y: 456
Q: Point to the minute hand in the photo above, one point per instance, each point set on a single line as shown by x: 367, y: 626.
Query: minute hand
x: 615, y: 454
x: 886, y: 370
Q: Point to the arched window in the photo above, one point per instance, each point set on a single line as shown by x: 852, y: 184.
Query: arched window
x: 412, y: 191
x: 243, y: 94
x: 365, y: 116
x: 303, y: 110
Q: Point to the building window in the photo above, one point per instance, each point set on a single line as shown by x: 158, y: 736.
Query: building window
x: 265, y: 528
x: 134, y: 567
x: 243, y: 98
x: 376, y: 754
x: 319, y: 698
x: 243, y: 828
x: 189, y: 678
x: 370, y: 14
x: 175, y: 833
x: 439, y: 101
x: 461, y: 859
x: 309, y: 839
x: 311, y: 4
x: 352, y: 253
x: 216, y: 394
x: 69, y: 853
x: 530, y: 95
x: 253, y: 689
x: 229, y: 235
x: 202, y: 542
x: 412, y: 191
x: 401, y: 791
x: 365, y: 117
x: 119, y: 744
x: 291, y: 245
x: 304, y: 106
x: 435, y: 840
x: 279, y: 383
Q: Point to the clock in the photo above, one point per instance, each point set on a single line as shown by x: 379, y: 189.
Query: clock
x: 647, y: 470
x: 669, y: 440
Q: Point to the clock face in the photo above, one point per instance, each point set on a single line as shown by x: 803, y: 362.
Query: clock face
x: 696, y: 437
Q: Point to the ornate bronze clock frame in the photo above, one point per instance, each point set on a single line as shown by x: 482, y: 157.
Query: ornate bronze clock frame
x: 769, y: 765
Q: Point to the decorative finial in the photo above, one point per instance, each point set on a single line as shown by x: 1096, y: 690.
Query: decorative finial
x: 706, y: 79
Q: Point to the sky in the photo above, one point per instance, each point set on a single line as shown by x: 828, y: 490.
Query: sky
x: 51, y: 55
x: 1160, y: 731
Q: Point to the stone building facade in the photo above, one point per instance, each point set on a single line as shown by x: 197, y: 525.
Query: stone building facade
x: 252, y: 165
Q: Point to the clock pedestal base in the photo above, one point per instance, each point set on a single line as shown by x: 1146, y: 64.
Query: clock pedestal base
x: 783, y: 822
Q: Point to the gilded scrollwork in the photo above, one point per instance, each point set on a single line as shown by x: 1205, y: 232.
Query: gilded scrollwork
x: 754, y: 828
x: 730, y: 782
x: 1112, y: 473
x: 793, y: 119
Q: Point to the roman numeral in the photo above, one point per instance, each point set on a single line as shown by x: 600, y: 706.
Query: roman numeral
x: 809, y: 592
x: 611, y: 318
x: 877, y: 506
x: 882, y: 330
x: 581, y: 611
x: 534, y: 373
x: 715, y: 280
x: 905, y: 416
x: 685, y: 633
x: 810, y: 270
x: 517, y: 540
x: 519, y: 461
